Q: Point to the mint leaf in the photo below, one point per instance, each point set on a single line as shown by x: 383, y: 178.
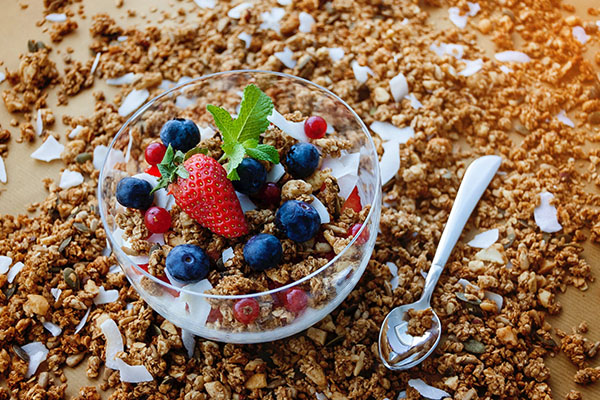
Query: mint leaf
x: 250, y: 143
x: 264, y: 152
x: 224, y: 123
x: 252, y: 119
x: 235, y: 154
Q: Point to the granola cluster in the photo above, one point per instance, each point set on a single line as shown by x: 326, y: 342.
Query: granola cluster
x: 540, y: 115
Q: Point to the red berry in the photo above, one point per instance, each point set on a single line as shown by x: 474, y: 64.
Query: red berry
x: 270, y: 194
x: 353, y: 201
x: 315, y: 127
x: 353, y: 231
x: 153, y: 170
x: 246, y: 310
x: 154, y: 153
x: 157, y: 220
x: 296, y: 300
x: 214, y: 315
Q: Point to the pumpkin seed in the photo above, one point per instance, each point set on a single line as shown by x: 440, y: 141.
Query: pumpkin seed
x: 155, y: 247
x: 9, y: 291
x: 83, y: 157
x: 64, y: 244
x: 511, y: 238
x: 40, y: 45
x: 546, y: 237
x: 155, y: 330
x: 474, y: 346
x: 81, y: 227
x: 71, y: 278
x: 473, y: 306
x: 20, y: 352
x: 334, y: 341
x: 31, y: 46
x: 546, y: 342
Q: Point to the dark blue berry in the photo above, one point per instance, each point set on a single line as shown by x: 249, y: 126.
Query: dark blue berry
x: 298, y: 220
x: 181, y: 134
x: 134, y: 193
x: 262, y: 251
x: 302, y: 160
x: 253, y: 176
x: 187, y: 263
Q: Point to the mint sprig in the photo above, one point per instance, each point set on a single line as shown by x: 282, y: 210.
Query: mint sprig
x: 241, y: 135
x: 171, y: 167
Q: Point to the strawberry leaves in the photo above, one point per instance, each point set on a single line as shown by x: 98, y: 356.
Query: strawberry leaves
x: 241, y: 135
x: 171, y: 167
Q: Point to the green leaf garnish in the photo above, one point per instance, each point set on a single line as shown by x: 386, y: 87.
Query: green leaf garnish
x: 171, y: 167
x: 241, y: 135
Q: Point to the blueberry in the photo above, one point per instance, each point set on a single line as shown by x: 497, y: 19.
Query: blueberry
x: 298, y: 220
x: 181, y: 134
x: 302, y: 160
x: 134, y: 193
x: 187, y: 263
x: 253, y: 176
x: 262, y: 251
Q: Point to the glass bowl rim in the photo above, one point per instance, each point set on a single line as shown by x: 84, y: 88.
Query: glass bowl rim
x: 206, y: 77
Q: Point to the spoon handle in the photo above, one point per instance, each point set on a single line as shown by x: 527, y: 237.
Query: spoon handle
x: 476, y: 179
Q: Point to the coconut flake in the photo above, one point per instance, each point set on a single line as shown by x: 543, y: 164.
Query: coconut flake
x: 459, y: 20
x: 512, y: 56
x: 321, y: 210
x: 390, y: 161
x: 114, y: 269
x: 505, y: 69
x: 346, y: 164
x: 158, y: 238
x: 495, y: 297
x: 485, y: 239
x: 81, y: 323
x: 2, y: 77
x: 399, y: 87
x: 3, y: 177
x: 183, y: 101
x: 361, y: 73
x: 401, y: 395
x: 246, y: 38
x: 347, y: 183
x: 55, y: 292
x: 414, y: 102
x: 306, y: 22
x: 132, y: 373
x: 54, y: 329
x: 106, y: 296
x: 426, y: 390
x: 37, y: 353
x: 227, y: 254
x: 389, y: 132
x: 562, y: 117
x: 166, y: 84
x: 39, y: 123
x: 95, y: 63
x: 335, y: 53
x: 56, y: 17
x: 580, y: 35
x: 284, y: 2
x: 114, y: 342
x: 245, y: 202
x: 545, y: 215
x: 99, y: 155
x: 471, y: 67
x: 454, y: 50
x: 206, y: 133
x: 286, y: 57
x: 293, y: 129
x: 271, y: 19
x: 320, y: 396
x: 14, y: 271
x: 189, y: 341
x: 73, y: 134
x: 133, y: 100
x: 5, y: 262
x: 236, y: 12
x: 206, y: 3
x: 198, y: 306
x: 394, y: 282
x: 277, y: 171
x: 49, y: 150
x: 126, y: 79
x: 473, y: 9
x: 69, y: 179
x: 121, y: 38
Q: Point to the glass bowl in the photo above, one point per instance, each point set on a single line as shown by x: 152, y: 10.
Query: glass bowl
x: 188, y: 307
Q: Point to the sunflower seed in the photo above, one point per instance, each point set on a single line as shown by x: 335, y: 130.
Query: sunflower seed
x: 21, y: 353
x: 334, y: 341
x: 511, y: 238
x: 155, y: 247
x: 474, y: 346
x: 8, y: 292
x: 64, y: 244
x: 81, y: 227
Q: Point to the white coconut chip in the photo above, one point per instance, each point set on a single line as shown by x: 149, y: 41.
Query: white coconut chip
x: 73, y: 134
x: 3, y: 177
x: 39, y: 123
x: 271, y: 19
x: 227, y: 254
x: 495, y: 297
x: 81, y: 323
x: 69, y: 179
x: 198, y: 306
x: 399, y: 87
x: 335, y: 53
x: 245, y: 202
x: 114, y: 269
x: 485, y: 239
x: 471, y: 67
x: 99, y: 155
x: 96, y: 62
x: 236, y: 12
x: 293, y: 129
x: 320, y: 396
x: 321, y: 210
x: 158, y: 238
x: 414, y: 102
x: 394, y: 282
x: 284, y: 2
x: 14, y: 271
x: 55, y: 292
x: 306, y: 22
x: 132, y: 373
x: 206, y: 133
x: 114, y: 342
x: 189, y: 342
x: 456, y: 18
x: 286, y: 57
x: 454, y: 50
x: 512, y: 56
x: 390, y: 161
x: 129, y: 306
x: 401, y: 395
x: 5, y: 262
x: 562, y: 117
x: 54, y: 329
x: 361, y: 73
x: 106, y: 296
x: 126, y: 79
x: 276, y: 173
x: 49, y: 150
x: 505, y: 69
x: 545, y: 214
x: 206, y: 3
x: 166, y: 84
x: 133, y: 101
x: 246, y: 38
x: 121, y: 38
x: 473, y: 9
x: 389, y: 132
x: 427, y: 391
x: 580, y: 35
x: 2, y: 77
x: 183, y: 101
x: 347, y: 183
x: 37, y: 353
x: 56, y: 17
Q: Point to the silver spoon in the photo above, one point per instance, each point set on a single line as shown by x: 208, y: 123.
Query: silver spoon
x: 397, y: 348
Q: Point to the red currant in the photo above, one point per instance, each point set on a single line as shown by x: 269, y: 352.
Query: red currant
x: 270, y: 194
x: 154, y: 153
x: 315, y: 127
x: 157, y: 220
x: 353, y: 231
x: 296, y: 300
x: 246, y: 310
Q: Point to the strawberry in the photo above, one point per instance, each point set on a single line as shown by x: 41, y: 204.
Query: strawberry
x: 353, y: 201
